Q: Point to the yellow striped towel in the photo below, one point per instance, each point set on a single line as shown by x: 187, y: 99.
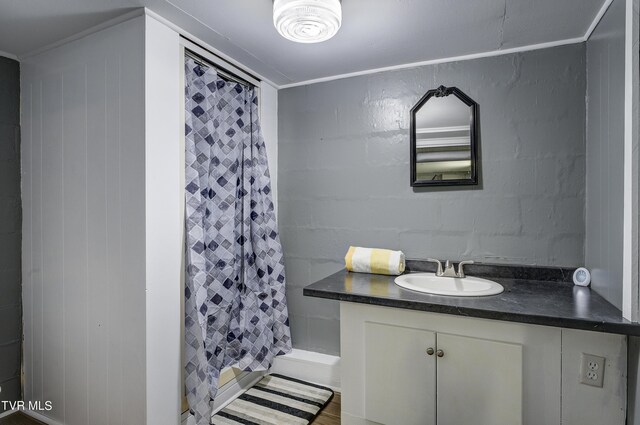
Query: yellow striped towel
x: 373, y: 260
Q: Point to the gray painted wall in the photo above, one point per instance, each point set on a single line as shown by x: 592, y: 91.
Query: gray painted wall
x: 10, y: 231
x: 344, y: 173
x: 605, y: 153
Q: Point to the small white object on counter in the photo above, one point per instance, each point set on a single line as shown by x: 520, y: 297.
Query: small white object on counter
x: 582, y: 277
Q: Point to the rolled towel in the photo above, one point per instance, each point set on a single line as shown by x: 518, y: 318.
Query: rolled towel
x: 372, y: 260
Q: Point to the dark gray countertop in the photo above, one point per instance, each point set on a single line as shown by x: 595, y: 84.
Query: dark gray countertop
x: 552, y: 302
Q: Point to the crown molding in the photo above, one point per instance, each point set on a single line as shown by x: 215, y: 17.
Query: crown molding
x: 186, y: 34
x: 8, y: 55
x: 106, y: 24
x: 597, y: 19
x: 488, y: 54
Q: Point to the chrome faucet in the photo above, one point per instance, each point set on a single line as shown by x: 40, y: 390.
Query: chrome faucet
x: 449, y: 270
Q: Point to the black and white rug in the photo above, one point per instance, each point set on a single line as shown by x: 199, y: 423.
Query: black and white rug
x: 276, y: 399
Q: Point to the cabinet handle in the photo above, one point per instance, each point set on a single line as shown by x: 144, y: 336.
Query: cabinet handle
x: 430, y: 351
x: 440, y: 353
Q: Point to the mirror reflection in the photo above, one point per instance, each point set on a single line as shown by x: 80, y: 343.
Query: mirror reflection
x: 443, y: 133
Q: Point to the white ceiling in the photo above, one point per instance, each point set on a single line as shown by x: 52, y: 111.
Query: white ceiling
x: 374, y: 34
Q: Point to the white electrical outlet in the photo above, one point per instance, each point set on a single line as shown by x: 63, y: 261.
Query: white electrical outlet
x: 592, y: 370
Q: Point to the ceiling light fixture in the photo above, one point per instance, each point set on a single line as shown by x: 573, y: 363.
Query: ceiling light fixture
x: 307, y: 21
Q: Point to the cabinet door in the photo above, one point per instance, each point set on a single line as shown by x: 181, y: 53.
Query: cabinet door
x: 479, y: 381
x: 400, y: 376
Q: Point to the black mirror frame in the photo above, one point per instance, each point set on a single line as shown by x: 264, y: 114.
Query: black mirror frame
x: 473, y: 116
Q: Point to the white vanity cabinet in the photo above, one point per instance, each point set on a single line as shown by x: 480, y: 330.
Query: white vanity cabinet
x: 481, y: 372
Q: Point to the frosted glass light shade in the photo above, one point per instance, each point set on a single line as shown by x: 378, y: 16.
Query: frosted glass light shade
x: 307, y: 21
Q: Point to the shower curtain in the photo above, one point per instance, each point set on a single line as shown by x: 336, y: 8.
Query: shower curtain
x: 235, y: 306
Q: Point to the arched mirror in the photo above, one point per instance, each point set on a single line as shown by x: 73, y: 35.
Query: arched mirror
x: 444, y: 139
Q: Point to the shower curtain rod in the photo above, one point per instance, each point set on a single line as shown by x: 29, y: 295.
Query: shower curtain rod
x: 223, y: 73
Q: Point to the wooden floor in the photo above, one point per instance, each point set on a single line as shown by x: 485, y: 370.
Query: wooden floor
x: 330, y: 415
x: 19, y: 418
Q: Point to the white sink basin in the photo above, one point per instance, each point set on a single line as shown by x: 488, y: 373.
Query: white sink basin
x: 459, y: 287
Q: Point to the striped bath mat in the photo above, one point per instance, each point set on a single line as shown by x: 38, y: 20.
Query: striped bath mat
x: 276, y: 399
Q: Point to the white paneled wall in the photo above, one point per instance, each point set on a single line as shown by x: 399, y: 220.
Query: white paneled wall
x: 83, y: 148
x: 605, y: 155
x: 101, y: 176
x: 164, y: 221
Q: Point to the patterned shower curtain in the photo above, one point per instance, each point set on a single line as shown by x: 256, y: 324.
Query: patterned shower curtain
x: 235, y: 306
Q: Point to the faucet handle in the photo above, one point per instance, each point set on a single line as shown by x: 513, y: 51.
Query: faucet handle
x: 439, y: 271
x: 461, y: 264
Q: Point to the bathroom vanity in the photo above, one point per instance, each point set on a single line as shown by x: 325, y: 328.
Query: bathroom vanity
x: 519, y: 357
